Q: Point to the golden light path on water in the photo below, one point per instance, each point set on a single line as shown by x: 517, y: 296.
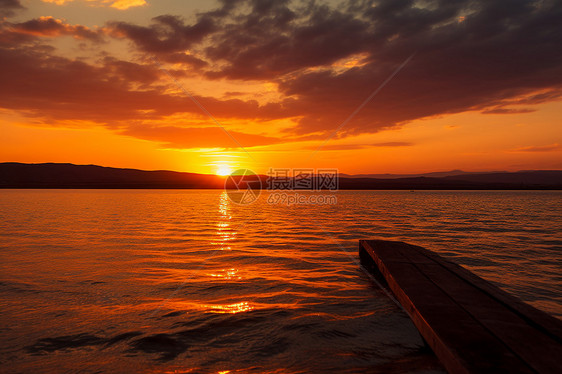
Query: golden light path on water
x: 226, y: 233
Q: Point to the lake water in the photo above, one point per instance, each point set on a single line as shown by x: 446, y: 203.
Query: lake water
x: 188, y: 282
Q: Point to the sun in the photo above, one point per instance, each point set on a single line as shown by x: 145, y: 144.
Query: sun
x: 224, y: 170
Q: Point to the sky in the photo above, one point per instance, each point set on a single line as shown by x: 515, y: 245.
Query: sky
x: 389, y: 86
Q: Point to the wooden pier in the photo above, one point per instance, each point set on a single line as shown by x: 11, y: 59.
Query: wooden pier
x: 471, y: 325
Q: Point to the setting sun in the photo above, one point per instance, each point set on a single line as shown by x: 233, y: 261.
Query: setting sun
x: 224, y: 170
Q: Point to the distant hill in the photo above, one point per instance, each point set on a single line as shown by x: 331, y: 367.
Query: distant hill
x: 436, y: 174
x: 522, y: 178
x: 52, y: 175
x: 535, y: 180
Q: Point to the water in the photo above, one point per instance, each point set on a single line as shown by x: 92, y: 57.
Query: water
x: 187, y: 282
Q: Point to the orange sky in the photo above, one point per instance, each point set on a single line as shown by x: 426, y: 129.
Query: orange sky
x: 109, y: 82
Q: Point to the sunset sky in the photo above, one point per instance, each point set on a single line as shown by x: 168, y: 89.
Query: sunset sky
x: 471, y: 85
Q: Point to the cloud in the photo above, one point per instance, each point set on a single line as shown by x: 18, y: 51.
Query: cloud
x: 507, y: 111
x: 168, y: 34
x: 124, y: 96
x: 186, y: 59
x: 52, y: 27
x: 471, y: 55
x: 118, y: 4
x: 272, y: 39
x: 9, y: 7
x: 538, y: 148
x: 193, y: 137
x: 58, y: 2
x: 345, y: 147
x: 53, y: 87
x: 126, y: 4
x: 392, y: 144
x: 324, y: 60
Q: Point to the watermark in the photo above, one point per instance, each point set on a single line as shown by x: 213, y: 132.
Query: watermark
x: 296, y: 198
x: 243, y: 187
x: 300, y: 179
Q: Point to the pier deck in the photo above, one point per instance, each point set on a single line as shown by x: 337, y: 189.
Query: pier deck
x: 471, y: 325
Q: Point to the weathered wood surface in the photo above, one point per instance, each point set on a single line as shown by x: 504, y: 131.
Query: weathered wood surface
x: 471, y: 325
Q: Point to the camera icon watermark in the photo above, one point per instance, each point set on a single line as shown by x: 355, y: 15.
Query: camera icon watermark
x: 296, y: 186
x: 243, y: 186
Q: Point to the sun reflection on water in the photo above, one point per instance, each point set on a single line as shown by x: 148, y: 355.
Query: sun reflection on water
x: 225, y: 232
x: 226, y: 274
x: 243, y: 306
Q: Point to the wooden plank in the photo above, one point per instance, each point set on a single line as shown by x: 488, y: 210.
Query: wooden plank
x: 473, y: 326
x: 522, y: 338
x: 543, y: 321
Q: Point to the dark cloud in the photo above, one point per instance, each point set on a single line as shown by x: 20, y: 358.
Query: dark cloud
x: 38, y: 82
x: 459, y: 66
x: 168, y: 34
x: 121, y: 95
x: 507, y: 111
x: 56, y: 88
x: 131, y: 72
x: 271, y: 41
x: 186, y: 59
x: 486, y: 55
x: 49, y: 26
x: 471, y: 55
x: 9, y: 7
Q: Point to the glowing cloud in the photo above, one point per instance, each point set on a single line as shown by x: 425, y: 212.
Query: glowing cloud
x: 52, y: 27
x: 118, y: 4
x: 126, y: 4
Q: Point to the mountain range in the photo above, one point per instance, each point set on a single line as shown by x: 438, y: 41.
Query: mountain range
x: 63, y: 175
